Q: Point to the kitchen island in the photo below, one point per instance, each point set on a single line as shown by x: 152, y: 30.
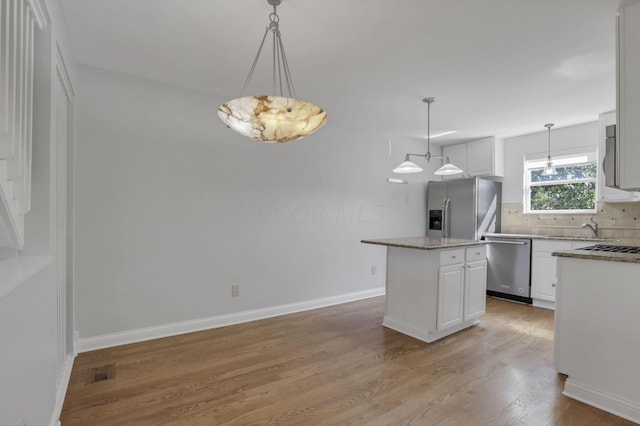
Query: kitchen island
x: 597, y: 343
x: 434, y: 286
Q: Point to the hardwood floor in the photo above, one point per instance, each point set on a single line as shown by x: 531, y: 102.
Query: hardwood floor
x: 333, y: 366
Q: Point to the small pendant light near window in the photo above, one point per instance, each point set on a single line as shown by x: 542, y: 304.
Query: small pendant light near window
x: 408, y: 166
x: 549, y: 168
x: 273, y: 118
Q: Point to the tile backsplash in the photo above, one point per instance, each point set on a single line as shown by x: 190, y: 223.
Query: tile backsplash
x: 615, y: 220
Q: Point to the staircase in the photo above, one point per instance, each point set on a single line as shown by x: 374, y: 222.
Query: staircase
x: 17, y: 32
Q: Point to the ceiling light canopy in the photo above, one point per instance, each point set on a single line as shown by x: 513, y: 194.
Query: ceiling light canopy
x: 549, y: 168
x: 273, y: 118
x: 409, y: 166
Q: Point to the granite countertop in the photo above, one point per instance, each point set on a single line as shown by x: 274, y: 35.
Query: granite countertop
x: 549, y: 237
x: 599, y: 255
x: 424, y: 243
x: 605, y: 255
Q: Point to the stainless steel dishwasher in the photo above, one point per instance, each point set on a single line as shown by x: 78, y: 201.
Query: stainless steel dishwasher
x: 509, y: 268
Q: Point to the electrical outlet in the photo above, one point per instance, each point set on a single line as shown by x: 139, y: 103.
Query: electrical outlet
x: 235, y: 290
x: 373, y: 269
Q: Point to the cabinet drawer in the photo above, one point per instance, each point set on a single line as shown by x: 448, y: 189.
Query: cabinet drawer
x: 451, y: 257
x: 476, y: 253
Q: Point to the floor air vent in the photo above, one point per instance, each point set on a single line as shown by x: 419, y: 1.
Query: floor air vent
x: 100, y: 374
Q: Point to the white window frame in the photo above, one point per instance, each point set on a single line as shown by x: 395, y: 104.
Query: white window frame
x: 575, y: 159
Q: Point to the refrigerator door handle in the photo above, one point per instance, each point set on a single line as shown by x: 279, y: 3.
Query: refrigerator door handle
x: 445, y: 217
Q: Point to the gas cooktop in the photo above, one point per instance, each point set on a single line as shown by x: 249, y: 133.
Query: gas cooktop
x: 613, y: 249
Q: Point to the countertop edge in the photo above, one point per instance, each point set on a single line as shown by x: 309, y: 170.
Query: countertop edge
x: 552, y: 237
x: 423, y: 247
x: 602, y: 256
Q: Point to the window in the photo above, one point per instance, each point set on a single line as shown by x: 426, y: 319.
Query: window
x: 571, y: 190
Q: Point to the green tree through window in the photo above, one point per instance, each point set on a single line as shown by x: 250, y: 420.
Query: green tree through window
x: 572, y: 188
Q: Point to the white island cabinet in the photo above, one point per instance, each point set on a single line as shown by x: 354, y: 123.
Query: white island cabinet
x: 597, y: 343
x: 435, y: 286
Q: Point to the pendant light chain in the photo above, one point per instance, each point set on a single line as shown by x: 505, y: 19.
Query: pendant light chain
x: 274, y: 26
x: 428, y: 101
x: 253, y: 66
x: 429, y: 126
x: 549, y: 126
x: 549, y: 141
x: 549, y: 168
x: 287, y: 73
x: 280, y: 65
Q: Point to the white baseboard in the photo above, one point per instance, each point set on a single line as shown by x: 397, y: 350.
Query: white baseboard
x: 76, y: 343
x: 149, y: 333
x: 426, y: 335
x: 61, y: 392
x: 539, y: 303
x: 403, y: 328
x: 613, y: 404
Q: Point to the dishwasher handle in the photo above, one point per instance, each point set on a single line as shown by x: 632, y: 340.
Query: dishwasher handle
x: 518, y: 243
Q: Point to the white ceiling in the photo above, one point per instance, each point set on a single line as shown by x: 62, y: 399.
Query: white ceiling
x: 496, y: 67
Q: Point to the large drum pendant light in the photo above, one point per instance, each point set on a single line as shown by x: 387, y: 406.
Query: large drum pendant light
x: 273, y: 118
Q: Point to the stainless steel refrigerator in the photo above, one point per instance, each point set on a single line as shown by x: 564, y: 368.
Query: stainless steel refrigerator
x: 463, y: 208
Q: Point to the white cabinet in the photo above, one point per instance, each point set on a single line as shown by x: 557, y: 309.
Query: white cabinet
x: 485, y: 157
x: 462, y: 287
x: 543, y: 276
x: 605, y: 193
x: 475, y: 289
x: 450, y: 296
x: 543, y: 269
x: 482, y: 157
x: 628, y: 95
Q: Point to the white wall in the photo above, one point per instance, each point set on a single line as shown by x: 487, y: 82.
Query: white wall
x: 172, y: 208
x: 563, y: 140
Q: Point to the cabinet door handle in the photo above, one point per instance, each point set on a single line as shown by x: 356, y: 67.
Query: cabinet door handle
x: 553, y: 284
